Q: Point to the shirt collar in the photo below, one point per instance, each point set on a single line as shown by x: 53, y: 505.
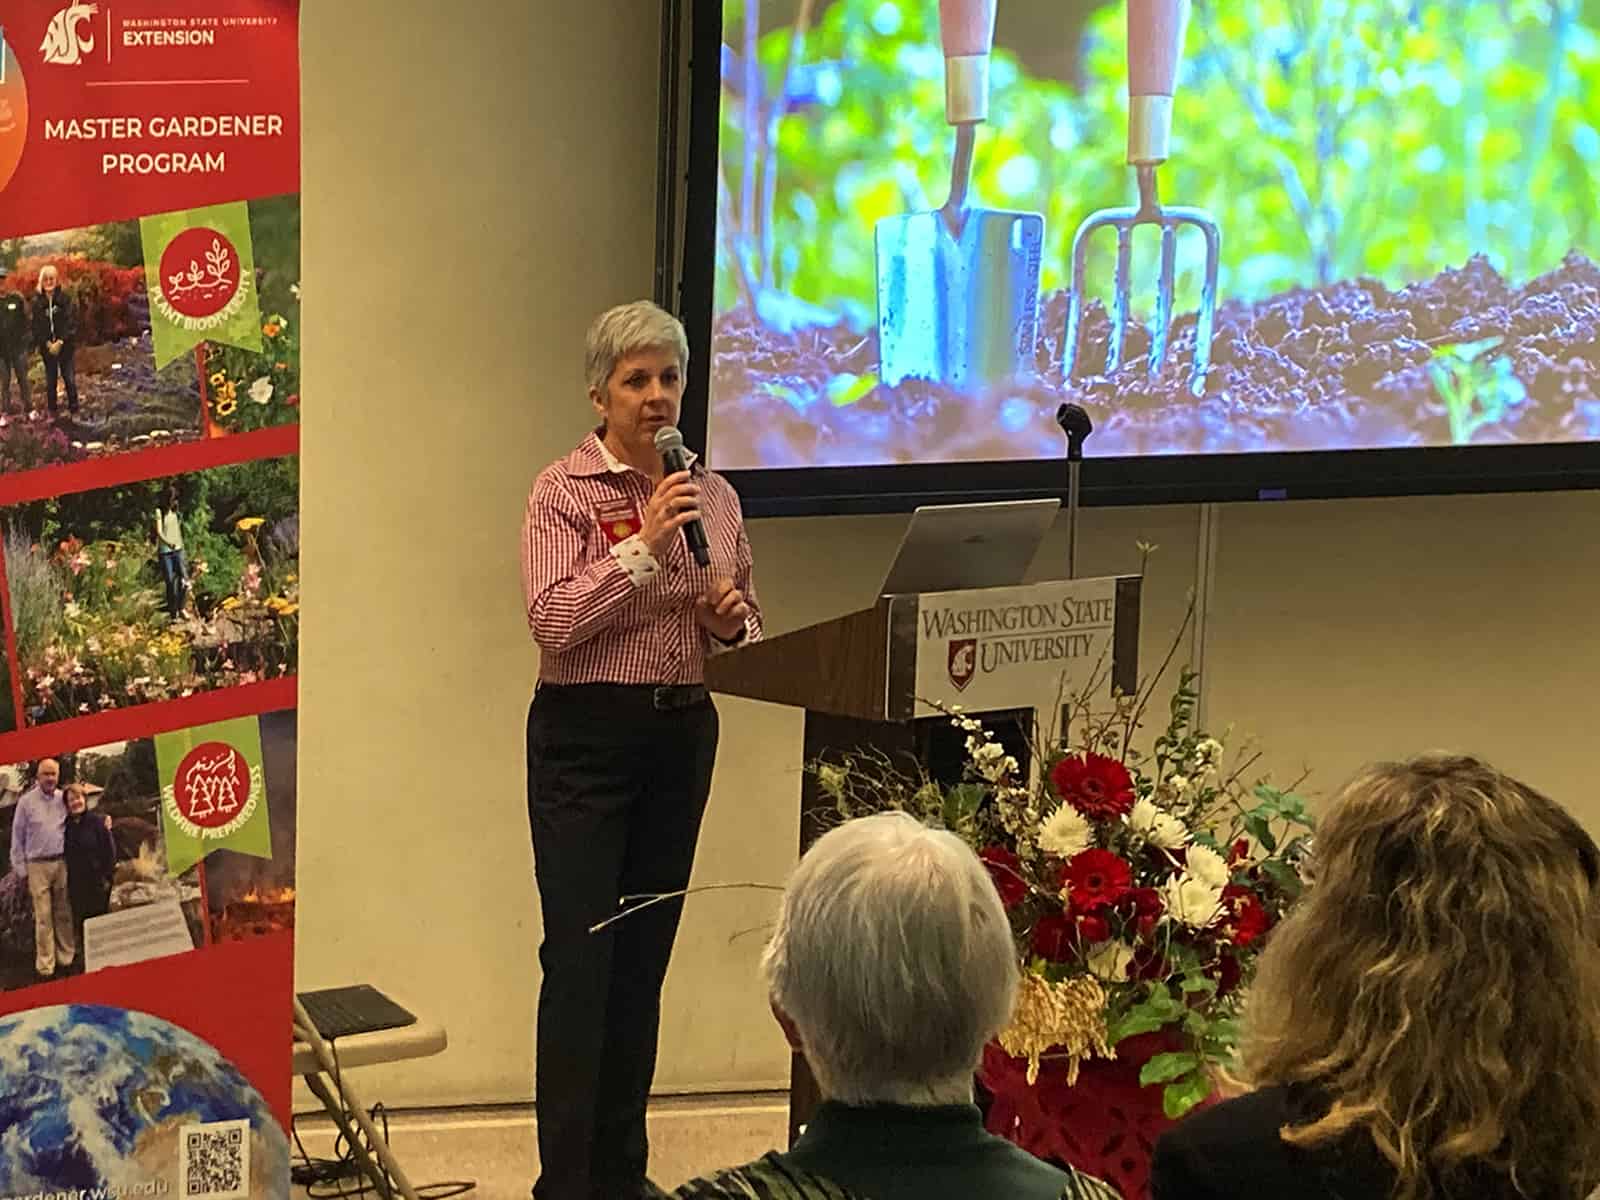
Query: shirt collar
x: 859, y: 1133
x: 592, y: 457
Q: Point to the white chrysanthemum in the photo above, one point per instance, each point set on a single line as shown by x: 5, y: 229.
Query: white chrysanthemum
x: 1177, y: 784
x: 1110, y: 961
x: 1066, y: 832
x: 1192, y: 901
x: 1156, y: 826
x: 1206, y: 865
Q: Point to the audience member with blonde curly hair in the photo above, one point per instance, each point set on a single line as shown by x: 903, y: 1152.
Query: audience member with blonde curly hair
x: 1426, y: 1024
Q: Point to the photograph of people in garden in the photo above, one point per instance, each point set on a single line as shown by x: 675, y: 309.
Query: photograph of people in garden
x: 77, y: 364
x: 1398, y: 209
x: 81, y: 837
x: 155, y: 590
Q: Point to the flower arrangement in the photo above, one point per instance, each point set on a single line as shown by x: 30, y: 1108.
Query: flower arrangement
x: 1140, y: 885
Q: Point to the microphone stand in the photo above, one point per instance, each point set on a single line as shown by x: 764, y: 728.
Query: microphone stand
x: 1075, y: 423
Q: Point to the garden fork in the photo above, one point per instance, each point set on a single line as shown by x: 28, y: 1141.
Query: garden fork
x: 1155, y: 43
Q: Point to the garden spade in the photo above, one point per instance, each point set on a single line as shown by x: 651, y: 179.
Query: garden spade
x: 958, y: 289
x: 1155, y: 43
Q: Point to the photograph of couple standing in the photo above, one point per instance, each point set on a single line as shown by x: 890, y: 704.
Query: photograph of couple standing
x: 66, y: 855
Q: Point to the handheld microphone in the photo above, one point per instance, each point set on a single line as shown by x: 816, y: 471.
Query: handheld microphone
x: 669, y: 444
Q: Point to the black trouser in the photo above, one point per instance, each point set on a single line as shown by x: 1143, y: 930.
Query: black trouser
x: 64, y: 366
x: 13, y: 362
x: 617, y: 784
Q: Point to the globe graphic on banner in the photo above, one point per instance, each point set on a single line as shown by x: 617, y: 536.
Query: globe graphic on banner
x: 96, y: 1097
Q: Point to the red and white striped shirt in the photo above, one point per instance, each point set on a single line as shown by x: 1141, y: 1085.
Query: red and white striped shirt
x: 601, y: 608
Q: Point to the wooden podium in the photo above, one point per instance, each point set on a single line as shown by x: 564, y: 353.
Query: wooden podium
x: 880, y: 678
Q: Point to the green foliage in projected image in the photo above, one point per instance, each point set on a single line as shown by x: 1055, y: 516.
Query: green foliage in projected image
x: 1329, y: 138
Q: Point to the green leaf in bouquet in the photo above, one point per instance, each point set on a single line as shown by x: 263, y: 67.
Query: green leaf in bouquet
x: 1282, y: 874
x: 1164, y: 1068
x: 1197, y: 983
x: 1286, y: 804
x: 961, y: 804
x: 1179, y: 1096
x: 1267, y: 794
x: 1261, y: 831
x: 1221, y: 1038
x: 1156, y: 1011
x: 1294, y: 809
x: 1135, y: 1021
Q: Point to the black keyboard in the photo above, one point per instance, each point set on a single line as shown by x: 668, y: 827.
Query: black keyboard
x: 347, y: 1011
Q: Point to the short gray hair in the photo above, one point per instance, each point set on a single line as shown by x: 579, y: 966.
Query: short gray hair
x: 627, y: 329
x: 894, y: 959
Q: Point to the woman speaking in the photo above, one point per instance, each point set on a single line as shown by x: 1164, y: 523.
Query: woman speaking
x: 621, y: 738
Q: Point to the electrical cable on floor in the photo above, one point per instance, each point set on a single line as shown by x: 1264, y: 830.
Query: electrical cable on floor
x: 327, y: 1178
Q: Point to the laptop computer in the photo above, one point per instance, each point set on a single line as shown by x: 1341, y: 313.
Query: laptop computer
x: 952, y: 547
x: 347, y: 1011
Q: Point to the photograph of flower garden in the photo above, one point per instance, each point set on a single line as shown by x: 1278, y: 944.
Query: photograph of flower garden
x: 155, y: 590
x: 1407, y: 194
x: 125, y: 403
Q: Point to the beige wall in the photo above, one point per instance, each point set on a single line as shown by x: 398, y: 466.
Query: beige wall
x: 473, y: 194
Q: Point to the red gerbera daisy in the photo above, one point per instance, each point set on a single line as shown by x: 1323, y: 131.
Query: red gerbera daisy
x: 1144, y: 907
x: 1093, y: 929
x: 1005, y: 868
x: 1247, y: 918
x: 1096, y: 878
x: 1098, y: 787
x: 1052, y: 938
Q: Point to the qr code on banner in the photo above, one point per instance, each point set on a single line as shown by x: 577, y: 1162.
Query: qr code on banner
x: 214, y: 1161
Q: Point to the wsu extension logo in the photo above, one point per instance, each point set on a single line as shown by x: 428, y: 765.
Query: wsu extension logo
x: 65, y: 42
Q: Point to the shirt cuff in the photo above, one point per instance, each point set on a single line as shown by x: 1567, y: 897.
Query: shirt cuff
x: 636, y: 560
x: 718, y: 646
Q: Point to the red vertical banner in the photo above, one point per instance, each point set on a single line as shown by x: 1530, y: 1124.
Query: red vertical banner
x: 150, y: 593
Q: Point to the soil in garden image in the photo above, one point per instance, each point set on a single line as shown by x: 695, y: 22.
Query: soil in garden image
x: 1464, y: 357
x: 89, y: 601
x: 1408, y: 228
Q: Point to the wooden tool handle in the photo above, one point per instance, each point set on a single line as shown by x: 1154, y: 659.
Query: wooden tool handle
x: 1155, y: 44
x: 1156, y: 29
x: 966, y: 27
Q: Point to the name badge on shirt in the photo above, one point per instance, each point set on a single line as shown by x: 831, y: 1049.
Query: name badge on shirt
x: 619, y: 520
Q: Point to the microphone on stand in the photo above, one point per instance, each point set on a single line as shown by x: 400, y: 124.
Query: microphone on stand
x: 1075, y: 423
x: 669, y: 444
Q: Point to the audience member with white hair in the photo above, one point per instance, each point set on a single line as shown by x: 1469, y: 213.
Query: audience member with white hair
x: 891, y: 967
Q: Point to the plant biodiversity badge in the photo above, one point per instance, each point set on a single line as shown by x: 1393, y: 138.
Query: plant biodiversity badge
x: 150, y: 592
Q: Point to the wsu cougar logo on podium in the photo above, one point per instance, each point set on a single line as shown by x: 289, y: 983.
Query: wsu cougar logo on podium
x: 65, y: 43
x: 963, y: 662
